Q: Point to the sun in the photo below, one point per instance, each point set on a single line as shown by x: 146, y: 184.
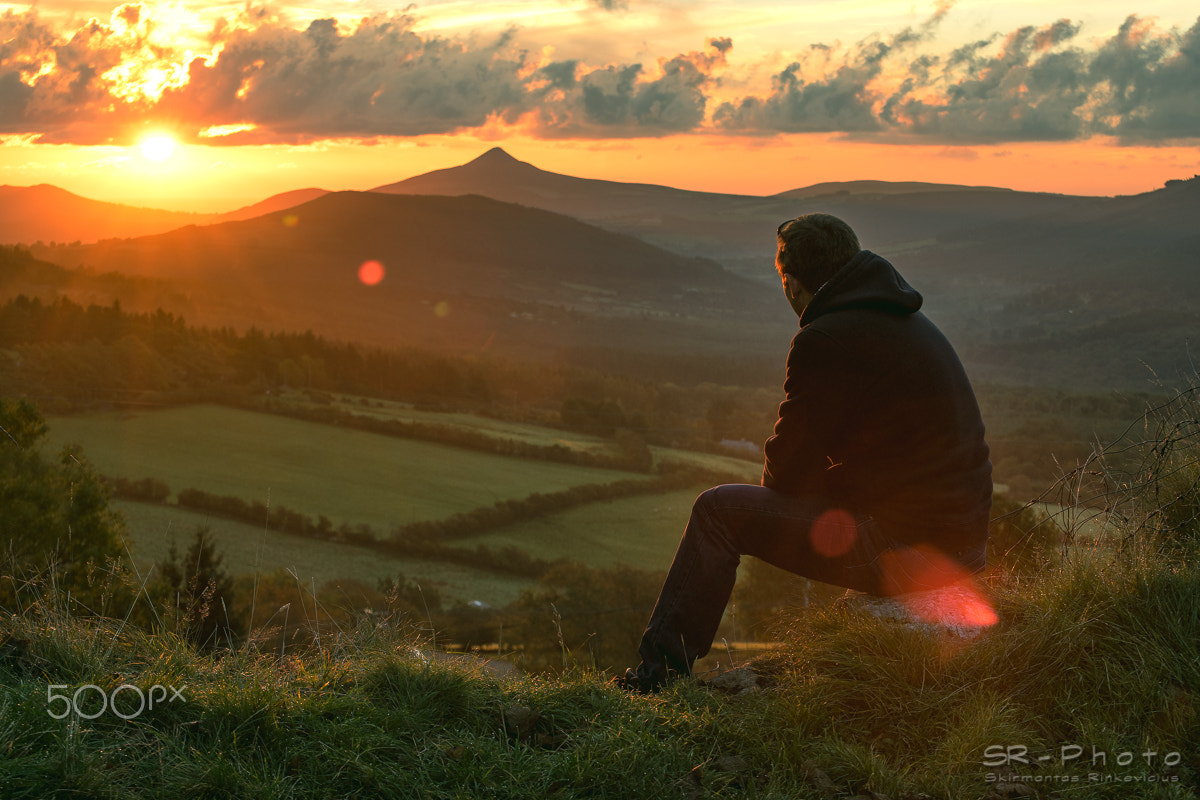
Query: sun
x: 158, y: 147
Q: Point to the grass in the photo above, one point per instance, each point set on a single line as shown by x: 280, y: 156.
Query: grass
x: 640, y: 531
x: 1102, y: 656
x: 526, y: 432
x: 500, y: 429
x: 246, y: 549
x: 1098, y: 652
x: 354, y: 476
x: 349, y: 476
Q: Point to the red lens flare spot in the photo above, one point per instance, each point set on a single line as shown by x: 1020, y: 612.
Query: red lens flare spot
x: 936, y: 589
x: 371, y: 272
x: 834, y: 533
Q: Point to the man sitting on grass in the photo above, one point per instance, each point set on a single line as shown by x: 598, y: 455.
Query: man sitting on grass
x: 877, y: 476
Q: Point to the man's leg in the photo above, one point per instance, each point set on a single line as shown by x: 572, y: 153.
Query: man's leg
x: 804, y: 535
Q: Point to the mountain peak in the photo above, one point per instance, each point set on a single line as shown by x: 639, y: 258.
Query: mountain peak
x: 495, y: 156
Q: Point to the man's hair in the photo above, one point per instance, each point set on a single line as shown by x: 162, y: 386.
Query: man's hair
x: 813, y: 247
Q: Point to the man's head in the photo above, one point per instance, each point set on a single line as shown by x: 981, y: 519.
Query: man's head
x: 812, y: 248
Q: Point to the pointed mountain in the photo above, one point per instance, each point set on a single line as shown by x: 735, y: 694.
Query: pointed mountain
x: 498, y: 175
x: 737, y: 230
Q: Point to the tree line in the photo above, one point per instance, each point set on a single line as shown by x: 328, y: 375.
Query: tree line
x: 72, y: 357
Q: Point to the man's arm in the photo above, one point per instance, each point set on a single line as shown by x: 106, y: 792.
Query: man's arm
x: 818, y: 391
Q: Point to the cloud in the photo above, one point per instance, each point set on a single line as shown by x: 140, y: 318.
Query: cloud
x: 264, y: 80
x: 1148, y: 82
x: 621, y: 101
x: 1028, y: 91
x: 1033, y: 84
x: 381, y: 79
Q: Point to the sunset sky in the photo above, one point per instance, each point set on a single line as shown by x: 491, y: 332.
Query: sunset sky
x: 1097, y: 97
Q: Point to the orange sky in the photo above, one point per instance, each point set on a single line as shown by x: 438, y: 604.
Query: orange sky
x: 1091, y: 98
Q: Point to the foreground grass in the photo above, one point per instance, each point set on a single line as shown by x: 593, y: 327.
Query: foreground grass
x: 1102, y: 656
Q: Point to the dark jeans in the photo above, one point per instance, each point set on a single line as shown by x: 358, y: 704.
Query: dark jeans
x: 802, y: 534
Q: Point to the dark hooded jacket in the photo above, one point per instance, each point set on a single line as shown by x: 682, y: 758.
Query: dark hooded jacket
x: 879, y: 415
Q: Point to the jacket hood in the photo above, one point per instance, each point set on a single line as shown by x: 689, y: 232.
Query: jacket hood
x: 866, y: 281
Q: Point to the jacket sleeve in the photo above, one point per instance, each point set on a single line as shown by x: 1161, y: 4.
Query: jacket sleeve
x: 816, y: 396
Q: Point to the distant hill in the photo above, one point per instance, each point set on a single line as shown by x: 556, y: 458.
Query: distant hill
x: 498, y: 175
x: 737, y: 230
x: 43, y: 213
x: 1088, y: 292
x: 460, y: 273
x: 1093, y: 292
x: 278, y: 202
x: 878, y: 187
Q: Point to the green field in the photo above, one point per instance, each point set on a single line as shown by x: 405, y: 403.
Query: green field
x: 640, y: 531
x: 247, y: 549
x: 358, y: 477
x: 346, y: 475
x: 500, y: 429
x: 527, y: 432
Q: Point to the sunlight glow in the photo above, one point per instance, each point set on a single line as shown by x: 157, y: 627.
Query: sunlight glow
x: 217, y: 131
x: 158, y: 147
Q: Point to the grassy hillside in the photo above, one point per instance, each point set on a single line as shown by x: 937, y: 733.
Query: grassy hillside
x: 1085, y: 659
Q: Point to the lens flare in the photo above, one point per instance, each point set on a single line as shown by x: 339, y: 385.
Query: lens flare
x: 936, y: 589
x: 371, y: 272
x: 834, y: 533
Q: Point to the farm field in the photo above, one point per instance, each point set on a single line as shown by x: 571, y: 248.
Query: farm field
x: 345, y: 475
x: 527, y: 432
x: 247, y: 548
x: 500, y: 429
x: 640, y: 531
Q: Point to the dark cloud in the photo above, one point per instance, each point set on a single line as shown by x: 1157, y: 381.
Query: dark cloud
x: 45, y: 78
x: 1035, y: 84
x: 842, y: 101
x: 621, y: 101
x: 381, y: 78
x: 1027, y: 91
x: 1149, y: 83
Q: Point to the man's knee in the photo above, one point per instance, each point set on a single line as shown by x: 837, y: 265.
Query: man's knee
x: 706, y: 502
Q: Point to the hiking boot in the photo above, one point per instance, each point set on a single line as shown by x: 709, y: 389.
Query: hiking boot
x: 631, y: 681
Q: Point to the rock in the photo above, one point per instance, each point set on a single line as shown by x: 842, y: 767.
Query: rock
x: 740, y: 681
x: 958, y: 610
x: 519, y: 721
